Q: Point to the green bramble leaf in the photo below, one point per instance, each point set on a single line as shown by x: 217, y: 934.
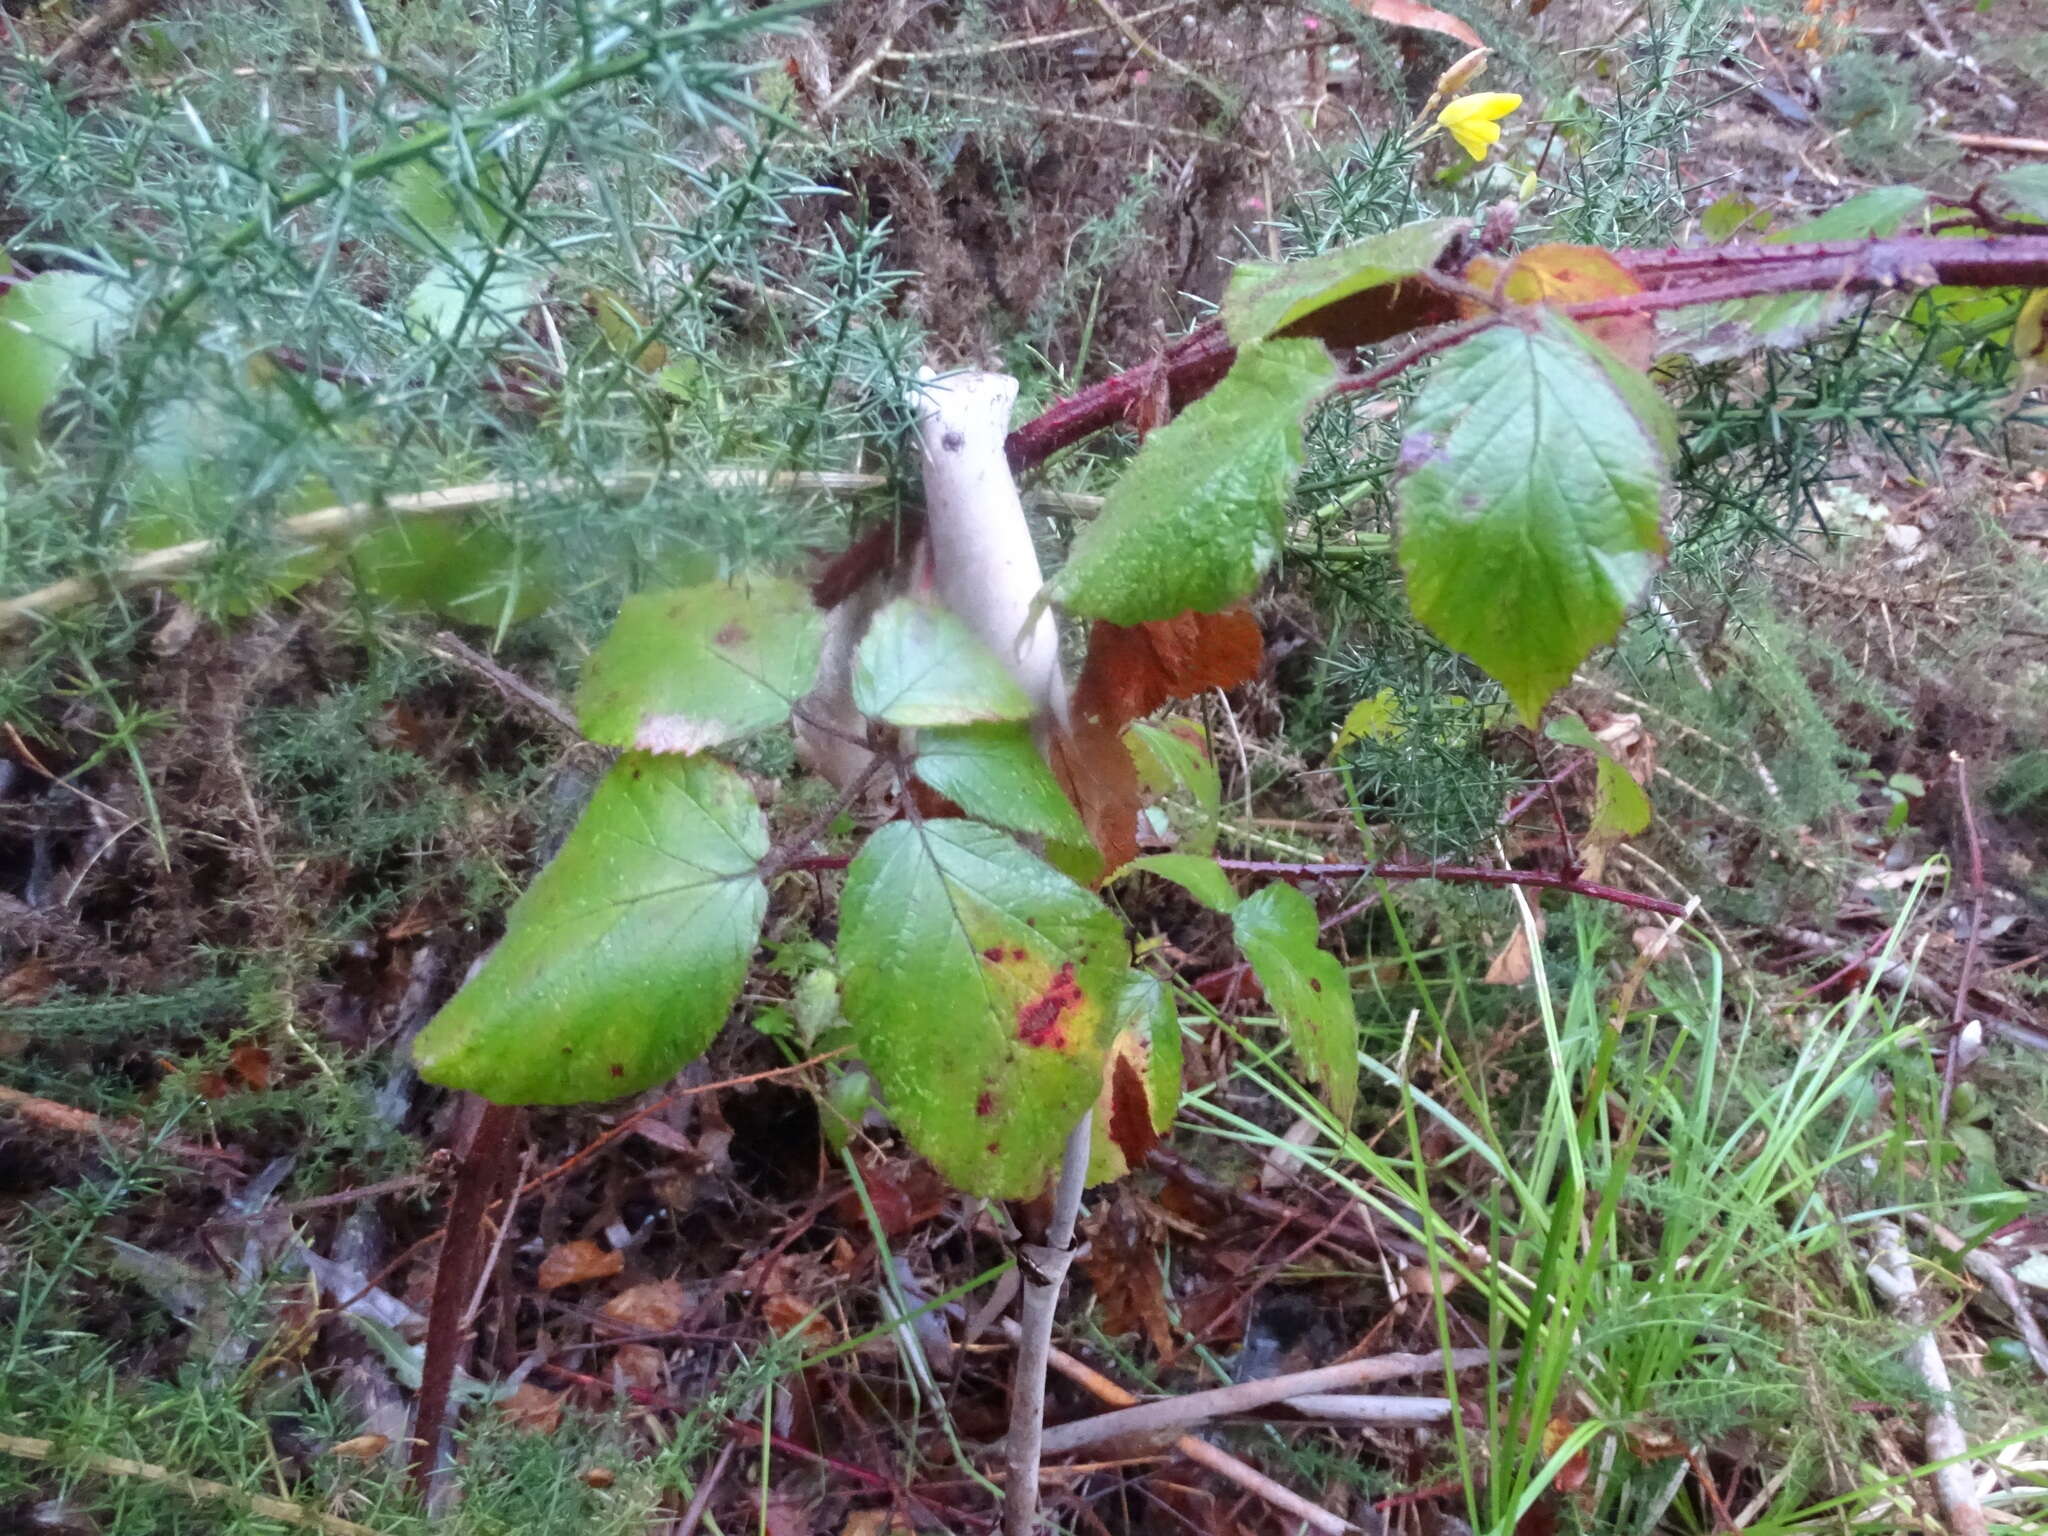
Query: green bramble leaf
x: 1620, y: 808
x: 1144, y: 1061
x: 463, y: 570
x: 622, y: 960
x: 1174, y: 756
x: 980, y: 984
x: 2025, y: 188
x: 1276, y: 929
x: 47, y: 324
x: 694, y: 668
x: 1264, y: 300
x: 478, y: 293
x: 1200, y: 513
x: 921, y: 665
x: 995, y: 773
x: 1533, y: 471
x: 1200, y: 877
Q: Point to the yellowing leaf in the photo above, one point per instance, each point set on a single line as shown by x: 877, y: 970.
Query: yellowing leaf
x: 1576, y: 274
x: 2030, y: 338
x: 1375, y: 719
x: 695, y: 668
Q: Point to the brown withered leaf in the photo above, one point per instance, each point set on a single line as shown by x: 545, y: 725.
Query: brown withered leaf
x: 533, y: 1409
x: 1426, y: 18
x: 360, y: 1447
x: 578, y: 1263
x: 1133, y: 670
x: 655, y: 1307
x: 1123, y: 1266
x: 1572, y: 1475
x: 251, y: 1063
x: 1130, y: 1112
x: 1095, y: 771
x: 640, y: 1367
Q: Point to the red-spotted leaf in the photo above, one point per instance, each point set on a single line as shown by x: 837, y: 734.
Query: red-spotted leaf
x: 980, y: 983
x: 1276, y: 929
x: 1531, y: 501
x: 692, y: 669
x: 622, y: 960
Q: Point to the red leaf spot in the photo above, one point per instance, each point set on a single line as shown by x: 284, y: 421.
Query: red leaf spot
x: 1314, y: 985
x: 994, y: 954
x: 986, y: 1104
x: 732, y: 634
x: 1039, y: 1021
x: 994, y: 1147
x: 1017, y: 954
x: 617, y: 1070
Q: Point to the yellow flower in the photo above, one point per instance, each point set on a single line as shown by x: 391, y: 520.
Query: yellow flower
x: 1474, y: 121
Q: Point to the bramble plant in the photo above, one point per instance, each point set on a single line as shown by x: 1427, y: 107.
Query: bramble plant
x: 991, y: 990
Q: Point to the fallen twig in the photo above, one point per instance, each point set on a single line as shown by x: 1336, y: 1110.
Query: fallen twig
x: 1952, y: 1058
x: 1901, y: 977
x: 53, y: 1116
x: 330, y: 526
x: 197, y: 1488
x: 475, y: 1182
x: 1998, y: 1278
x: 1176, y: 1413
x: 453, y: 647
x: 1222, y: 1463
x: 93, y: 34
x: 1955, y: 1485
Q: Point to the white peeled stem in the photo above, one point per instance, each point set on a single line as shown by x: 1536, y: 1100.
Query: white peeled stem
x: 1045, y: 1273
x: 1955, y: 1485
x: 984, y: 565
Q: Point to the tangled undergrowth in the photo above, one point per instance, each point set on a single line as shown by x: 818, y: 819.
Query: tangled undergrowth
x: 256, y: 822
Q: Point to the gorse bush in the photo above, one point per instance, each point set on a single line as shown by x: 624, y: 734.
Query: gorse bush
x: 585, y: 332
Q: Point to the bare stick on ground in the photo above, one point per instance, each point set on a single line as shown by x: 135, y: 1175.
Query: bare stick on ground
x: 1201, y: 1452
x: 1955, y: 1485
x: 1045, y: 1273
x: 1951, y: 1062
x: 1176, y: 1413
x: 196, y: 1488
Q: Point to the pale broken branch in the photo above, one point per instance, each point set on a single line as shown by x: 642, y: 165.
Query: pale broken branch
x: 1955, y: 1482
x: 195, y: 1488
x: 1177, y: 1413
x: 1222, y: 1463
x: 53, y: 1116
